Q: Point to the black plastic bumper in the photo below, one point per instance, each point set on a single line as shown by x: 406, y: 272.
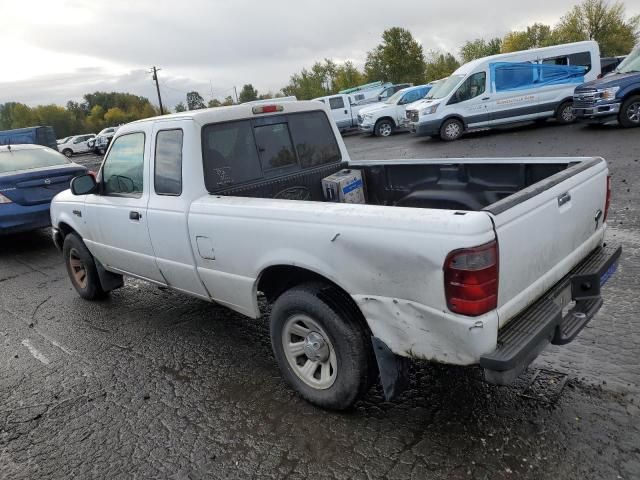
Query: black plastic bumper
x: 557, y: 317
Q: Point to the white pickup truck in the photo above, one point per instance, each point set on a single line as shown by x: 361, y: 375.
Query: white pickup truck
x: 458, y: 261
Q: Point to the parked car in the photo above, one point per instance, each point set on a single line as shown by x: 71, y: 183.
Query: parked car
x: 102, y: 141
x: 62, y: 140
x: 382, y: 119
x: 76, y: 144
x: 30, y: 176
x: 609, y: 64
x: 30, y: 135
x: 392, y: 89
x: 614, y: 97
x: 534, y: 84
x: 343, y: 110
x: 228, y: 205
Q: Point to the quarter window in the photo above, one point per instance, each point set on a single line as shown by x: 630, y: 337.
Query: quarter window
x: 168, y: 162
x: 472, y: 87
x: 336, y: 103
x: 122, y: 173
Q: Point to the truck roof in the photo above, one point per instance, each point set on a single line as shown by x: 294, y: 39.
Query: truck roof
x: 235, y: 112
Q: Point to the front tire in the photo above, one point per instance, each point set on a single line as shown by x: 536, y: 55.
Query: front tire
x: 629, y: 115
x: 323, y: 350
x: 67, y: 152
x: 81, y: 268
x: 451, y: 130
x: 565, y: 115
x: 383, y: 128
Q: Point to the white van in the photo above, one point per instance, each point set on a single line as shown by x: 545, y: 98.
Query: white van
x: 507, y: 88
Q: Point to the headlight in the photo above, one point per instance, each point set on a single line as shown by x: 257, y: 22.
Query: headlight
x: 608, y: 93
x: 430, y: 109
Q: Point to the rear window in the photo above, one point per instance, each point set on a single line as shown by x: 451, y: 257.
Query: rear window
x: 243, y: 151
x: 16, y: 160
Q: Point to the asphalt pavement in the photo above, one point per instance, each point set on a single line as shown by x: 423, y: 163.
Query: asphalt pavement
x: 153, y: 384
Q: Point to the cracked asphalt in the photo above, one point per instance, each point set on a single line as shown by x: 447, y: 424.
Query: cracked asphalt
x: 153, y: 384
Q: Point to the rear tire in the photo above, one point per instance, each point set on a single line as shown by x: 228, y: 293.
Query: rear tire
x: 383, y: 128
x: 629, y: 115
x: 451, y: 130
x: 565, y: 115
x: 81, y: 268
x: 322, y: 348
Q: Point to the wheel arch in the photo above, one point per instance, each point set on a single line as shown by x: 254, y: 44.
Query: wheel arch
x: 386, y: 117
x: 456, y: 116
x: 562, y: 102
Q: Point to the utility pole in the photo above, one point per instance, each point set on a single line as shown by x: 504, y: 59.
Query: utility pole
x: 155, y: 78
x: 236, y: 92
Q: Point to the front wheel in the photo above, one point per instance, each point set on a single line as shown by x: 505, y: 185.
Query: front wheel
x: 451, y: 129
x: 81, y: 268
x: 565, y: 114
x: 321, y: 347
x: 67, y: 153
x: 383, y: 128
x: 629, y: 115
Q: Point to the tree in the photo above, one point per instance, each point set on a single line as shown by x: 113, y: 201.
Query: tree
x: 316, y: 82
x: 115, y: 116
x: 248, y: 93
x: 535, y: 36
x: 214, y: 103
x: 479, y: 48
x: 181, y: 108
x: 440, y: 65
x: 399, y: 58
x: 228, y: 101
x: 195, y: 101
x: 603, y: 22
x: 347, y: 76
x: 61, y: 119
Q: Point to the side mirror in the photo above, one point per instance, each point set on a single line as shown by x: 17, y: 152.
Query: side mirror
x: 84, y: 185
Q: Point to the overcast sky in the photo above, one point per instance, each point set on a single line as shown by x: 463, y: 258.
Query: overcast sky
x: 56, y: 50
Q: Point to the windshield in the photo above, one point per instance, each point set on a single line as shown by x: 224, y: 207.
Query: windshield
x: 14, y: 160
x: 395, y: 97
x: 631, y: 63
x: 445, y: 87
x: 63, y: 140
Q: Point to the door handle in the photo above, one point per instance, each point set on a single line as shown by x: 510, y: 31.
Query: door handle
x: 486, y: 98
x: 135, y: 216
x: 345, y: 112
x: 564, y: 198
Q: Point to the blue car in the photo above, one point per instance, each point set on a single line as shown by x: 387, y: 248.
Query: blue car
x: 30, y: 176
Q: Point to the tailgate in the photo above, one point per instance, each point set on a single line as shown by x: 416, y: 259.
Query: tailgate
x: 546, y: 229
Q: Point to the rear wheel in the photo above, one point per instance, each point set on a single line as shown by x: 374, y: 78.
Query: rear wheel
x: 451, y: 129
x: 383, y: 128
x: 565, y: 114
x: 81, y: 268
x: 629, y: 115
x: 323, y: 350
x: 67, y: 152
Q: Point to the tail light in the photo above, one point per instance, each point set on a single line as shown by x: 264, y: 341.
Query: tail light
x: 471, y: 279
x: 4, y: 199
x: 607, y: 202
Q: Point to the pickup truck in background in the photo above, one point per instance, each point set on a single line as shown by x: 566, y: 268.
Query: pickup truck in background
x: 384, y: 118
x: 44, y: 136
x: 343, y: 110
x: 615, y: 96
x: 458, y: 261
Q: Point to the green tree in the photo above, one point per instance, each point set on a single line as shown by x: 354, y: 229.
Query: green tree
x: 195, y: 101
x: 248, y: 93
x: 603, y: 22
x: 61, y: 119
x: 399, y: 58
x: 535, y: 36
x: 228, y: 101
x: 347, y: 76
x: 212, y: 103
x: 180, y: 107
x: 440, y: 65
x: 316, y: 82
x: 95, y: 119
x: 479, y: 48
x: 265, y: 96
x: 116, y: 116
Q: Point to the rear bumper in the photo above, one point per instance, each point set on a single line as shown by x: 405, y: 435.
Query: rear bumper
x: 554, y: 318
x: 16, y: 218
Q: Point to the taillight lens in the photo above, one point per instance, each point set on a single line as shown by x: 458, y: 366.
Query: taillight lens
x: 471, y: 279
x: 4, y: 199
x: 607, y: 202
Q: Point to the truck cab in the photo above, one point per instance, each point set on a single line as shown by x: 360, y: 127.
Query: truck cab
x: 615, y: 96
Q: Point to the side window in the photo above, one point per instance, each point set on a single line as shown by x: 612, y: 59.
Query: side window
x: 229, y: 155
x: 78, y: 140
x: 336, y: 102
x: 556, y: 61
x: 275, y: 146
x: 581, y: 59
x: 122, y: 173
x: 168, y: 162
x: 359, y: 97
x: 472, y: 87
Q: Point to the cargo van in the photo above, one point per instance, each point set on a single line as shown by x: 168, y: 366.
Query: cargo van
x: 534, y: 84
